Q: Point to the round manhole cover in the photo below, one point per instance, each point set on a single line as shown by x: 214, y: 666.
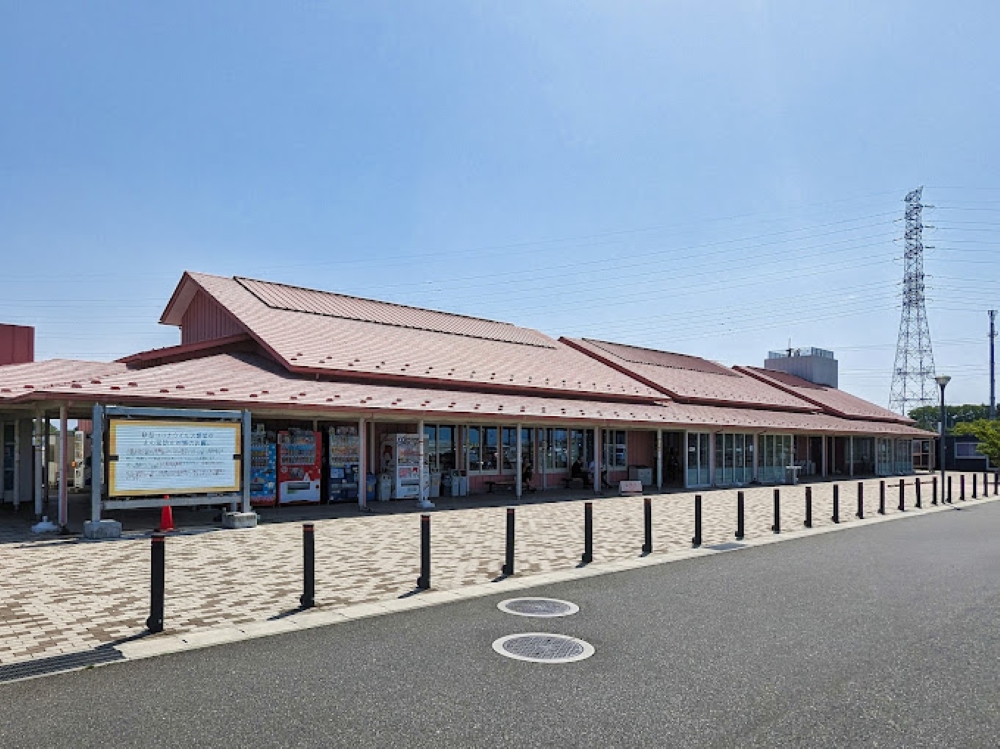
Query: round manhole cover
x: 543, y: 607
x: 541, y: 647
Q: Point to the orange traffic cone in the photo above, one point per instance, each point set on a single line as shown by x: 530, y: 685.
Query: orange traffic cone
x: 166, y: 518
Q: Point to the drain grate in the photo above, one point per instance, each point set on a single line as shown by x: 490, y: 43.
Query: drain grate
x: 541, y: 607
x: 59, y: 663
x: 540, y: 647
x: 728, y: 546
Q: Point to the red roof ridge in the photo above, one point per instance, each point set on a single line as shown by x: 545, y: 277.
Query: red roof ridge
x: 198, y: 349
x: 603, y: 344
x: 766, y: 376
x: 380, y: 302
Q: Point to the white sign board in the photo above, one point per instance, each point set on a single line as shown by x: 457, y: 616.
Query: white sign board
x: 173, y: 457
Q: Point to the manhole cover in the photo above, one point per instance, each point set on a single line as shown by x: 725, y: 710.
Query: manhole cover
x: 540, y: 647
x: 544, y: 607
x: 727, y: 546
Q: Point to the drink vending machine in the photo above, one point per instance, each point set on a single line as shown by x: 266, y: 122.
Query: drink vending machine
x: 401, y: 460
x: 344, y: 457
x: 263, y: 469
x: 299, y: 466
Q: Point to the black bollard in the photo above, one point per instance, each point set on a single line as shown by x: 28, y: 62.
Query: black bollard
x: 861, y: 501
x: 836, y: 504
x: 881, y: 497
x: 902, y: 496
x: 916, y: 487
x: 696, y: 541
x: 740, y: 528
x: 777, y: 512
x: 996, y: 482
x: 949, y: 490
x: 508, y: 567
x: 424, y: 581
x: 588, y: 533
x: 156, y: 586
x: 975, y: 480
x: 934, y: 490
x: 308, y: 597
x: 961, y: 487
x: 809, y: 507
x: 647, y: 523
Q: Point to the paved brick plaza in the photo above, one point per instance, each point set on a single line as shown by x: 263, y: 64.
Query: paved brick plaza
x: 62, y: 595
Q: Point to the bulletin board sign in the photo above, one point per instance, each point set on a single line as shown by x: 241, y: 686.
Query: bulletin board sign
x: 173, y: 457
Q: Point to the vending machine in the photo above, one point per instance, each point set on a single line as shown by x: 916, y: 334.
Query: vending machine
x: 263, y: 469
x: 299, y: 466
x: 401, y: 460
x: 344, y: 460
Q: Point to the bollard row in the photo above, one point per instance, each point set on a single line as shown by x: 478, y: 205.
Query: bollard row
x: 154, y: 623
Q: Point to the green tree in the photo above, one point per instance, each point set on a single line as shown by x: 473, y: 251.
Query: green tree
x: 988, y: 434
x: 927, y: 417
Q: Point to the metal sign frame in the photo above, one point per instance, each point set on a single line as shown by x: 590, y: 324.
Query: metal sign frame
x: 99, y: 452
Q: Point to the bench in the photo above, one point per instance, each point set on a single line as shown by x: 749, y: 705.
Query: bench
x: 506, y: 484
x: 568, y: 481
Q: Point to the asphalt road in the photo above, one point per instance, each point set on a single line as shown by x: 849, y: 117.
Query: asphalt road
x: 883, y: 635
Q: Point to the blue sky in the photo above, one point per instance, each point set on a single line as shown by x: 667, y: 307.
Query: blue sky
x: 710, y: 178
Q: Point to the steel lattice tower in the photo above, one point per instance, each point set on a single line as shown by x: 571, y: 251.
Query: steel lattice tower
x: 913, y: 374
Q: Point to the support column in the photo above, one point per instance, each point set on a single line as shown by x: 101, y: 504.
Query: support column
x: 63, y: 449
x: 39, y: 443
x: 362, y: 465
x: 46, y: 463
x: 756, y: 454
x: 597, y: 460
x: 517, y: 469
x: 245, y: 463
x: 423, y: 502
x: 17, y: 464
x: 824, y: 471
x: 97, y: 464
x: 659, y: 458
x: 545, y: 457
x: 850, y: 447
x: 711, y: 459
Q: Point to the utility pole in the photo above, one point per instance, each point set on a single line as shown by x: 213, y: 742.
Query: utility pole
x: 993, y: 381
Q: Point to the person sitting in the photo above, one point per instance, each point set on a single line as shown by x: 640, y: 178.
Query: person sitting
x: 576, y: 470
x: 604, y: 476
x: 527, y: 472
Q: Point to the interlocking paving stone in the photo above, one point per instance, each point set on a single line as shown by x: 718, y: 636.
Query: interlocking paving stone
x: 73, y: 596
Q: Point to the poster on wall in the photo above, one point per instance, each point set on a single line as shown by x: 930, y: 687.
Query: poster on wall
x: 173, y: 457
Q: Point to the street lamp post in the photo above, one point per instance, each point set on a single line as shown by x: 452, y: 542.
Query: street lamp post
x: 942, y: 381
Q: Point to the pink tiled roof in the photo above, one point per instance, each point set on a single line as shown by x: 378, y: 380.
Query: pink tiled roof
x: 830, y: 399
x: 249, y: 381
x: 689, y: 378
x: 18, y: 379
x: 317, y: 332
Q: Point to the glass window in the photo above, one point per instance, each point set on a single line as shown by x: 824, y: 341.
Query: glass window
x: 527, y: 446
x: 446, y: 448
x: 509, y: 454
x: 615, y: 448
x: 556, y: 449
x: 430, y: 446
x: 490, y: 448
x: 475, y: 448
x: 578, y: 446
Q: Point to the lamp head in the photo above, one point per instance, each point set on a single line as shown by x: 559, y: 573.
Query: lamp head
x: 942, y: 380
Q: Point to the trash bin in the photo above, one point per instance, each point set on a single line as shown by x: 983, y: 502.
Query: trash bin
x: 370, y: 487
x: 384, y: 487
x: 455, y: 481
x: 435, y: 483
